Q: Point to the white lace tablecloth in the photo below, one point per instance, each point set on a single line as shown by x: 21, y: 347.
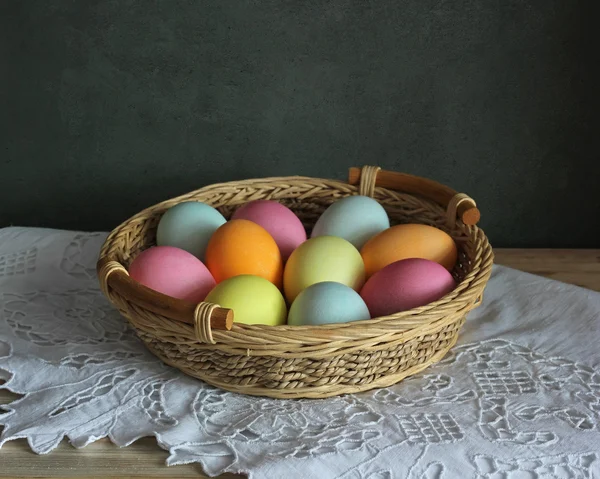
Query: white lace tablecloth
x: 518, y: 396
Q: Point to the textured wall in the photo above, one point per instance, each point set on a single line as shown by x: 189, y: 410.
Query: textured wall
x: 110, y: 106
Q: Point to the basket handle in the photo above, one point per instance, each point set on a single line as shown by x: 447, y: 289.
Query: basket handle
x: 456, y: 204
x: 203, y: 316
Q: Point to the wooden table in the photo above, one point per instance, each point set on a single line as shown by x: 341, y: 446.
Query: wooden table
x: 145, y: 459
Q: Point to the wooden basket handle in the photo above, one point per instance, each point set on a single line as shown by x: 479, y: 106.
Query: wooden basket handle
x: 203, y: 316
x: 456, y: 204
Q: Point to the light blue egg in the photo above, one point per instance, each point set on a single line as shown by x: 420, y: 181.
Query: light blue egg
x: 327, y: 302
x: 189, y: 226
x: 355, y: 218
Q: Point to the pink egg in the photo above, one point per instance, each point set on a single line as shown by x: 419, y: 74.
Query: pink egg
x: 174, y: 272
x: 406, y: 284
x: 282, y: 224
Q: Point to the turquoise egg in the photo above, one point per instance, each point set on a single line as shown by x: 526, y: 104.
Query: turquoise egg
x: 189, y: 226
x: 355, y: 218
x: 327, y: 302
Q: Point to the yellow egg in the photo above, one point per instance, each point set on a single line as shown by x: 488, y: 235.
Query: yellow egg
x: 324, y: 258
x: 408, y: 241
x: 254, y: 300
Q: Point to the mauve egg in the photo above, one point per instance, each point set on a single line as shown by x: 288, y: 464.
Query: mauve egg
x: 406, y: 284
x: 281, y: 223
x: 174, y: 272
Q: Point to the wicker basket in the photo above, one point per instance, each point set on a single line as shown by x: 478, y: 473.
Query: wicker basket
x: 303, y: 361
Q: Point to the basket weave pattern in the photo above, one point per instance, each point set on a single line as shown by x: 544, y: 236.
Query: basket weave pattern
x: 307, y: 361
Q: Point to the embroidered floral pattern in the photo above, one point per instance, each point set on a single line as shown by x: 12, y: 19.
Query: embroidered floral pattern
x: 296, y: 428
x: 564, y: 465
x: 80, y: 255
x: 57, y: 319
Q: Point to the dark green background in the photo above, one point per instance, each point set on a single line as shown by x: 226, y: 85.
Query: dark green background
x: 111, y: 106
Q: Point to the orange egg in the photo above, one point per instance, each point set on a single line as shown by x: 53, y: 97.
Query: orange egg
x: 243, y: 247
x: 408, y: 241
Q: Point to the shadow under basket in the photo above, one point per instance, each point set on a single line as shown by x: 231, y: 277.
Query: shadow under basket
x: 303, y: 361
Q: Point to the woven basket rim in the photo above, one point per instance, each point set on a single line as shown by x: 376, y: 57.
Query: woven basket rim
x: 462, y: 289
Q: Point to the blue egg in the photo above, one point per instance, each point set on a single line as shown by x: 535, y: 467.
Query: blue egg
x: 327, y: 302
x: 355, y: 218
x: 189, y: 226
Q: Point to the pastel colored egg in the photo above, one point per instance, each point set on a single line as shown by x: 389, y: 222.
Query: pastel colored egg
x: 408, y: 241
x: 281, y: 223
x: 354, y: 218
x: 243, y: 247
x: 253, y: 299
x: 325, y: 258
x: 172, y: 271
x: 325, y: 303
x: 189, y: 226
x: 406, y: 284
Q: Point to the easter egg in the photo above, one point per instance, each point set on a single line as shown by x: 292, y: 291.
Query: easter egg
x: 408, y: 241
x: 325, y: 258
x: 189, y: 226
x: 172, y: 271
x: 406, y: 284
x: 253, y: 299
x: 243, y: 247
x: 281, y: 223
x: 327, y: 302
x: 354, y: 218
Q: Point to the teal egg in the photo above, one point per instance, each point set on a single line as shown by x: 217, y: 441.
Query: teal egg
x: 189, y: 226
x: 325, y: 303
x: 355, y: 218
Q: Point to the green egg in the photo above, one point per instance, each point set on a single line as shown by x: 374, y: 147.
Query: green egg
x: 254, y: 300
